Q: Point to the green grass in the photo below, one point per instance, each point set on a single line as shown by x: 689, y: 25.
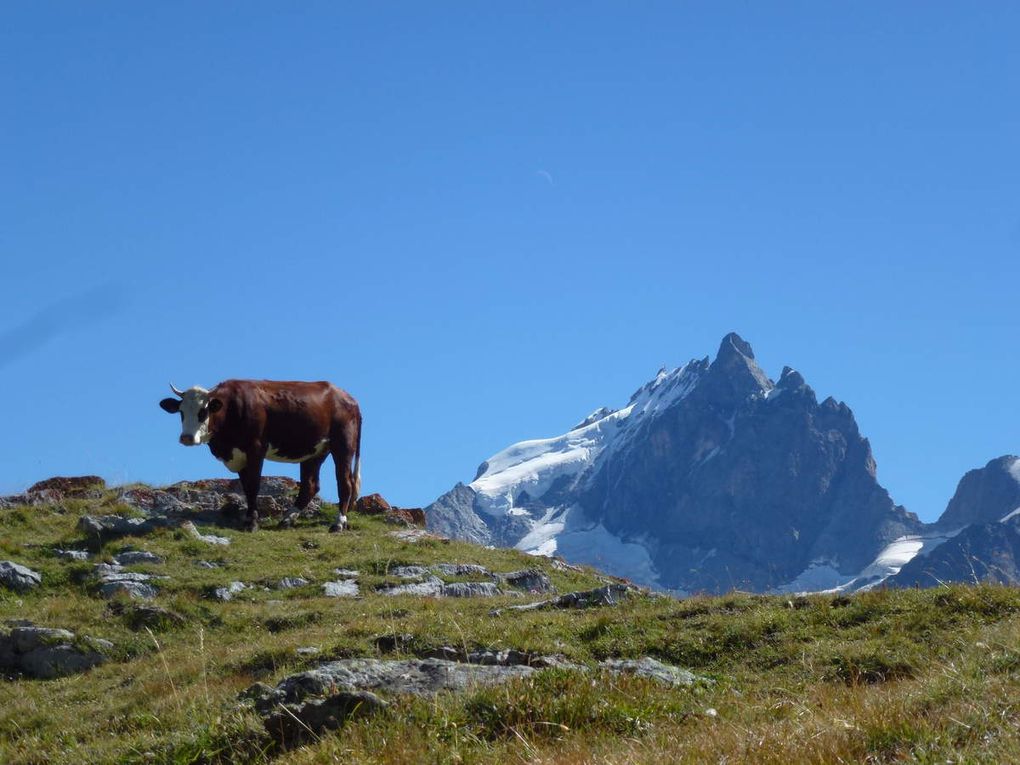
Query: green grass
x: 885, y: 676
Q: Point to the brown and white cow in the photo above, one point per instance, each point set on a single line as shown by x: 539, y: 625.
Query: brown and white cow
x: 245, y: 422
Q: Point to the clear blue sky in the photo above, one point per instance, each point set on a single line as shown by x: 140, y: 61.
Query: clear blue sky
x: 486, y: 220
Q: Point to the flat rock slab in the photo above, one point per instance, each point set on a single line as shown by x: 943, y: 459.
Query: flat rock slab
x: 652, y: 669
x: 345, y: 588
x: 291, y: 582
x: 19, y: 578
x: 470, y: 590
x: 113, y: 582
x: 418, y: 677
x: 133, y: 557
x: 72, y: 554
x: 431, y: 587
x: 463, y: 569
x: 110, y: 526
x: 409, y: 572
x: 609, y: 595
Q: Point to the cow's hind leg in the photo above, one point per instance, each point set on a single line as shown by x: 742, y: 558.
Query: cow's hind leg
x: 251, y: 478
x: 344, y: 484
x: 309, y: 488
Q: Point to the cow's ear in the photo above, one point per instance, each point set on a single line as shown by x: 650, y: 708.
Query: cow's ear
x: 171, y: 405
x: 215, y: 405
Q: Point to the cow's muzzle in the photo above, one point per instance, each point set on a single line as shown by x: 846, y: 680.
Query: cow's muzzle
x: 190, y: 440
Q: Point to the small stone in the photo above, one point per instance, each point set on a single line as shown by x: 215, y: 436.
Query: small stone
x: 228, y: 592
x: 345, y: 573
x: 191, y: 530
x: 206, y: 564
x: 306, y: 651
x: 347, y: 588
x: 290, y: 582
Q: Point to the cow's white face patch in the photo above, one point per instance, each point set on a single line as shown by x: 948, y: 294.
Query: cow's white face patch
x: 195, y: 417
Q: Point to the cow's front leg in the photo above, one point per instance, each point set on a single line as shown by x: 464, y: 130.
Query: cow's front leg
x: 251, y: 478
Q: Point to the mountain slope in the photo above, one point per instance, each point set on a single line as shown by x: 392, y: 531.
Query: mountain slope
x: 711, y: 478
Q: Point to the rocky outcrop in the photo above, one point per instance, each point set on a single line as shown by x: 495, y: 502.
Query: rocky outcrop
x: 46, y: 652
x: 984, y: 495
x: 980, y: 552
x: 19, y: 578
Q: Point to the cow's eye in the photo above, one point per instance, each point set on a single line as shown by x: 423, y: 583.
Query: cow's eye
x: 203, y: 413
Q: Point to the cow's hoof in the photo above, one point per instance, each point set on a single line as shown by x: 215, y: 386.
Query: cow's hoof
x: 251, y: 526
x: 335, y: 528
x: 287, y: 521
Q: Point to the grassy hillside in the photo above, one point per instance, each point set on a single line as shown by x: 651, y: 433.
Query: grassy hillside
x: 931, y: 676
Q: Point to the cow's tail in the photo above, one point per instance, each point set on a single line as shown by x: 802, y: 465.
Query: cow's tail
x: 357, y: 465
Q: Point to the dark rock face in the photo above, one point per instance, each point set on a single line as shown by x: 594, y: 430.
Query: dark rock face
x: 454, y: 515
x: 984, y: 495
x: 981, y: 552
x: 742, y: 484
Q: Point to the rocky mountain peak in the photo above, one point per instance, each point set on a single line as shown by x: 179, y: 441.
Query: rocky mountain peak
x: 735, y: 375
x: 985, y: 495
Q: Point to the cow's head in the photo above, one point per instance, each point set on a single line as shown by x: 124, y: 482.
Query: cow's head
x: 194, y: 406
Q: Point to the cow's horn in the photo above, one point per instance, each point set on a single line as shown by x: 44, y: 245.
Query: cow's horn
x: 178, y: 392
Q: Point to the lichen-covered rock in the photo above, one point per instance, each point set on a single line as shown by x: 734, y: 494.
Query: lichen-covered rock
x: 291, y: 582
x: 19, y: 578
x: 81, y: 486
x: 372, y: 504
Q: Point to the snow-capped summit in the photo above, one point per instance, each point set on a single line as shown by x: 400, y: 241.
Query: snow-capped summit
x: 711, y: 477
